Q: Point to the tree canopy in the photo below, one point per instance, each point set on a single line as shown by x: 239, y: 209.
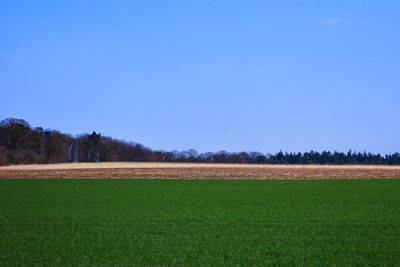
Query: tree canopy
x: 22, y: 144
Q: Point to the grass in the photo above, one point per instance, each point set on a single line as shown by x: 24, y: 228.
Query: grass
x: 199, y: 222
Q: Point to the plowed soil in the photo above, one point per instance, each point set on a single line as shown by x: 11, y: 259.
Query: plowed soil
x: 198, y: 171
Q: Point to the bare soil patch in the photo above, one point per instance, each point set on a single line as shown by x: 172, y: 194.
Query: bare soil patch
x: 198, y: 171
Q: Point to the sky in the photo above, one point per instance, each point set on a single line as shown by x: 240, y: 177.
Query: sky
x: 251, y: 75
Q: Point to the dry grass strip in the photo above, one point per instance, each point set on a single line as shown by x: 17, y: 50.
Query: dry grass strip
x: 198, y: 171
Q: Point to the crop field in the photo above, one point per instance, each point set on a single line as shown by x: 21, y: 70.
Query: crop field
x: 198, y: 171
x: 137, y: 222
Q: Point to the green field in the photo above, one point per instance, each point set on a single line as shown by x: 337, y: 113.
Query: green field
x: 203, y: 222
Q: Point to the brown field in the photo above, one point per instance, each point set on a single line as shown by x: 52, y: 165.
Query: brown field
x: 198, y: 171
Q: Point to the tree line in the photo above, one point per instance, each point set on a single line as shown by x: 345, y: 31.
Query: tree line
x: 22, y: 144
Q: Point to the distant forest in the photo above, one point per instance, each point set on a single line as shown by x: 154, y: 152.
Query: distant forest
x: 22, y: 144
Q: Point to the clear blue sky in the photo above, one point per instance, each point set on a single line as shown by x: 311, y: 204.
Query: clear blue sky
x: 210, y: 75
